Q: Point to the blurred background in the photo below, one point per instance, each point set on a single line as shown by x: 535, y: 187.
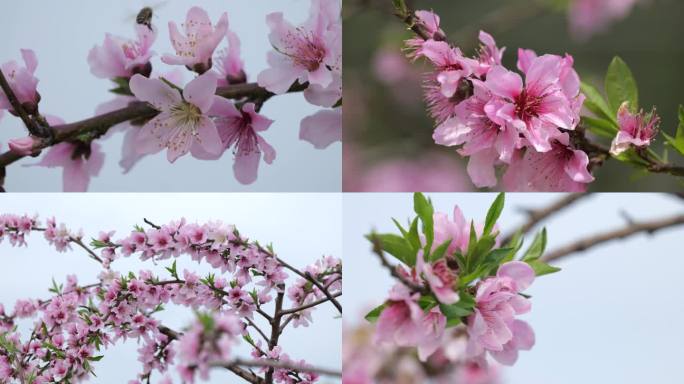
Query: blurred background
x: 27, y: 272
x: 63, y: 32
x: 387, y: 133
x: 612, y: 315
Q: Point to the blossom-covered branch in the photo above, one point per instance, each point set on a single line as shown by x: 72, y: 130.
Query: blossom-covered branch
x: 80, y: 321
x: 534, y: 129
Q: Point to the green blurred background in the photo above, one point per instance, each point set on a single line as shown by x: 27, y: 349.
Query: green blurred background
x: 385, y: 118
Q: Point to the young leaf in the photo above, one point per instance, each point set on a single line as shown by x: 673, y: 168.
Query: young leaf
x: 398, y: 247
x: 440, y: 251
x: 596, y: 104
x: 677, y: 142
x: 400, y: 227
x: 426, y: 303
x: 373, y: 315
x: 621, y: 86
x: 537, y: 247
x: 413, y: 236
x: 541, y: 268
x: 600, y: 126
x: 424, y: 210
x: 493, y: 213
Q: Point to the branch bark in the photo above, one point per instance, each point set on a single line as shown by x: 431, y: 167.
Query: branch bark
x: 278, y: 365
x: 535, y: 216
x: 18, y: 108
x: 633, y: 228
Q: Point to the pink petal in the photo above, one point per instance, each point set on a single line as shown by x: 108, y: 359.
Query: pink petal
x: 267, y: 149
x: 208, y: 136
x: 576, y: 167
x: 322, y: 128
x: 259, y: 122
x: 280, y: 76
x: 521, y: 273
x: 30, y: 60
x: 481, y: 168
x: 200, y: 91
x: 156, y: 92
x: 246, y: 166
x: 504, y: 83
x: 523, y: 335
x: 525, y: 59
x: 74, y: 177
x: 223, y: 107
x: 152, y: 137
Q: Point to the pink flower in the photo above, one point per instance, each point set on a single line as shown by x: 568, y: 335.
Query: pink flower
x: 588, y: 17
x: 80, y: 161
x: 196, y: 47
x: 308, y: 53
x: 22, y: 81
x: 430, y: 21
x: 403, y: 323
x: 489, y: 55
x: 182, y: 124
x: 635, y: 129
x: 458, y: 230
x: 492, y: 327
x: 450, y: 65
x: 120, y: 57
x: 22, y: 146
x: 539, y: 107
x: 240, y: 130
x: 441, y: 279
x: 483, y: 140
x: 230, y: 66
x: 562, y: 169
x: 322, y: 128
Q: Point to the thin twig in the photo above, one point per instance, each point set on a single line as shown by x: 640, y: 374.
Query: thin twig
x: 535, y: 216
x: 581, y: 245
x: 310, y: 278
x: 18, y: 108
x: 279, y: 365
x: 377, y: 249
x: 323, y: 289
x: 310, y: 305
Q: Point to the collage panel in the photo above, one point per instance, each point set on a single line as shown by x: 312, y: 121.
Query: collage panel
x: 475, y: 288
x: 151, y: 96
x: 172, y: 288
x: 529, y: 95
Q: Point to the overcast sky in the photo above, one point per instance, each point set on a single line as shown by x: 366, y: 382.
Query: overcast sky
x: 612, y: 315
x: 62, y: 32
x: 302, y: 228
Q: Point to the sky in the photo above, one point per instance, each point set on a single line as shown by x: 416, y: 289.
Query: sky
x: 63, y: 32
x: 612, y: 315
x: 302, y: 228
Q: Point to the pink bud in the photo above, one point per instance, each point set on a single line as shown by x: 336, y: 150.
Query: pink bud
x: 22, y: 146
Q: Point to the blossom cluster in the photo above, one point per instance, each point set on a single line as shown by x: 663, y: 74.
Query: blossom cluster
x: 497, y: 119
x: 198, y: 118
x: 460, y: 299
x: 75, y: 325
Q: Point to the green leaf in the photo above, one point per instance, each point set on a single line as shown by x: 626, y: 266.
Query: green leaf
x: 600, y: 126
x: 413, y: 236
x: 97, y: 244
x: 621, y: 86
x: 172, y: 270
x: 400, y: 227
x: 426, y: 303
x: 96, y: 358
x: 439, y: 252
x: 677, y: 142
x: 398, y: 247
x: 475, y: 258
x: 596, y: 104
x: 425, y: 211
x: 536, y: 249
x: 373, y: 315
x: 541, y: 268
x: 454, y: 311
x: 493, y: 213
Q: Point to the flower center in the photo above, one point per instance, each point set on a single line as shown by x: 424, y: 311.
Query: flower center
x: 186, y: 114
x: 527, y: 106
x: 304, y: 49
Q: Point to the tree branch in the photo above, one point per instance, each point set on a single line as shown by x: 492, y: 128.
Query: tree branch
x: 278, y: 365
x: 99, y: 125
x: 535, y: 216
x: 310, y: 305
x: 310, y: 278
x: 633, y: 228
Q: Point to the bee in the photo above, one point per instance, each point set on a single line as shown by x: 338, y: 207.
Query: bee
x: 145, y: 17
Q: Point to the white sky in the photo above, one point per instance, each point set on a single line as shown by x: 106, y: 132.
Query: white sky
x: 302, y: 228
x: 613, y: 315
x: 63, y: 32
